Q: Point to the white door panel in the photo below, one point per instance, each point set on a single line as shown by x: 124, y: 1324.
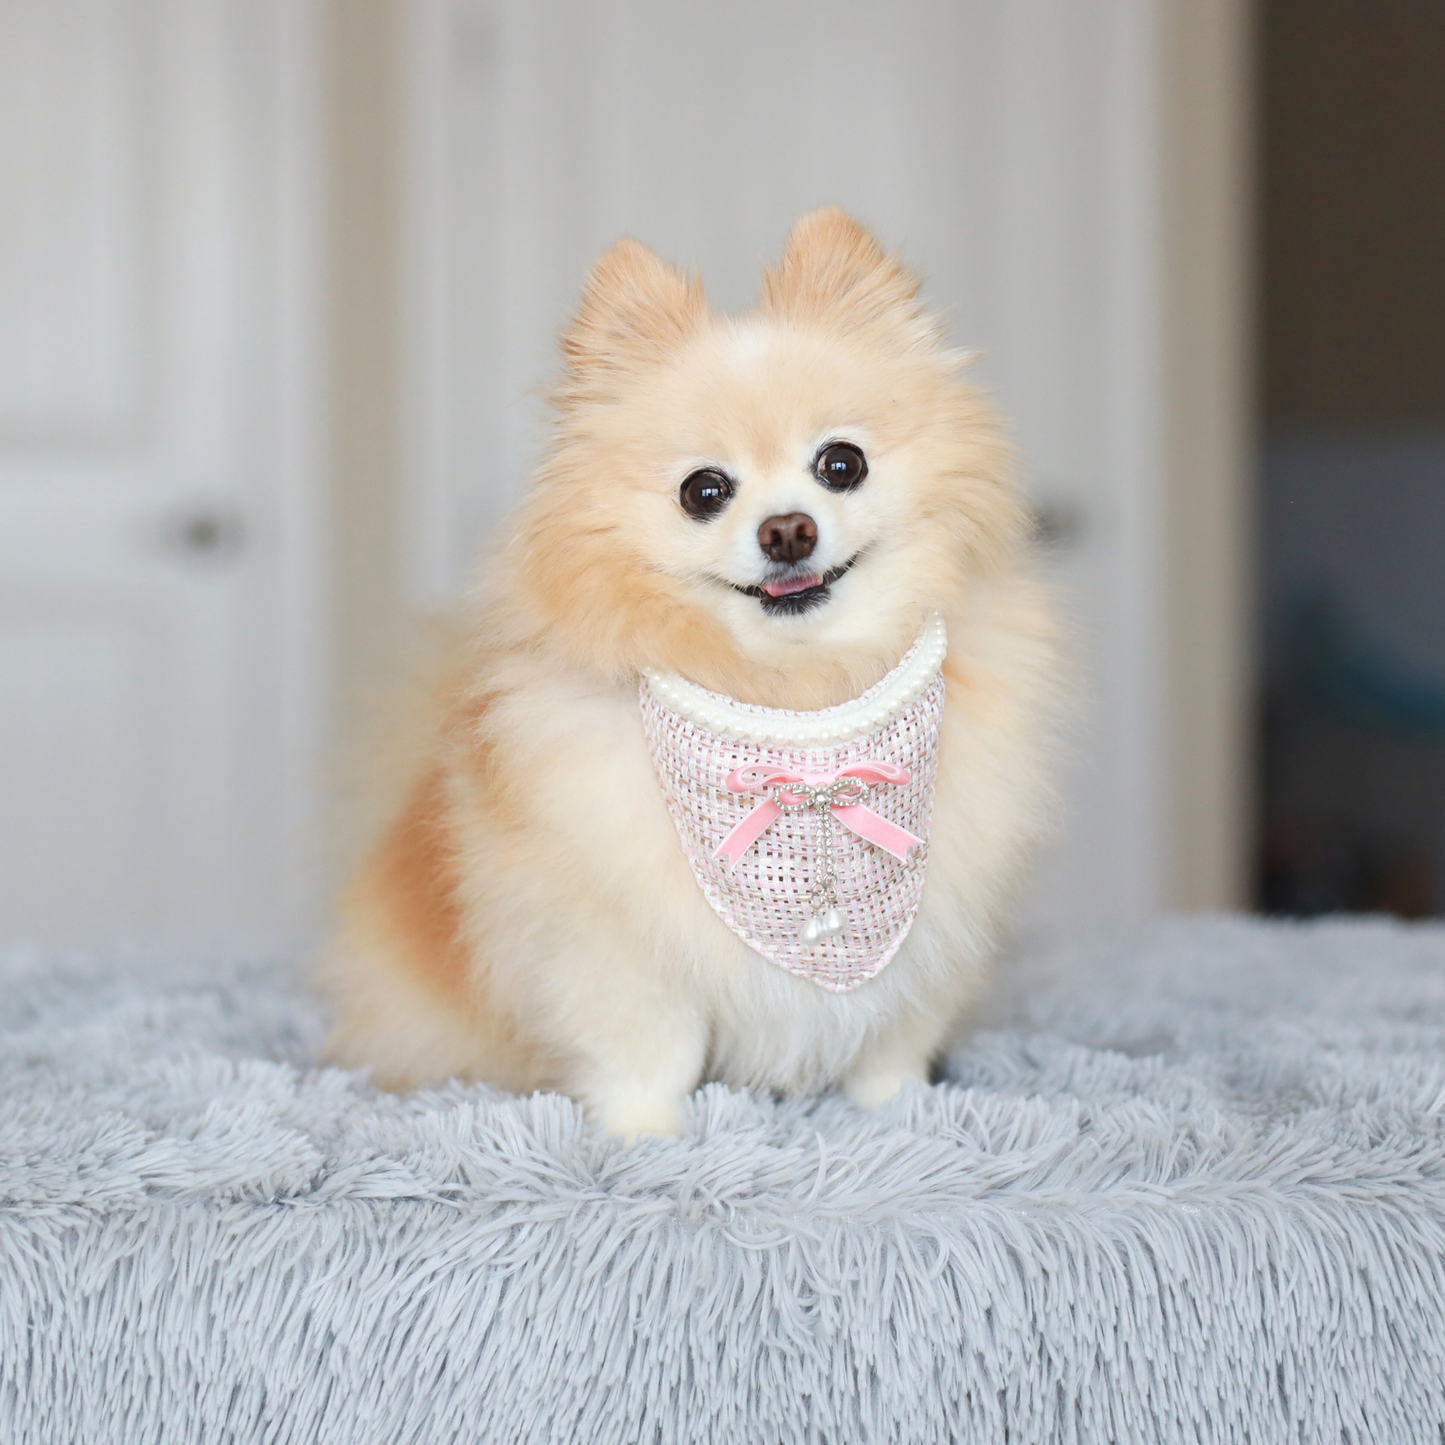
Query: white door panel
x: 152, y: 573
x: 75, y: 108
x: 1008, y: 147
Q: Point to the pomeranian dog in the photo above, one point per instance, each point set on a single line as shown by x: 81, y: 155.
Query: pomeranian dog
x: 741, y: 764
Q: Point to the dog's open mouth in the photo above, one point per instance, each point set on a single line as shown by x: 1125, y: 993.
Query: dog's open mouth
x: 796, y: 592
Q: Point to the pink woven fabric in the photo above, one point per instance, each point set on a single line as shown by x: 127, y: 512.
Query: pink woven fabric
x: 765, y: 897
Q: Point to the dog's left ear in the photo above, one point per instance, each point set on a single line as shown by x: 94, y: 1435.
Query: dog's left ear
x: 635, y: 310
x: 834, y: 272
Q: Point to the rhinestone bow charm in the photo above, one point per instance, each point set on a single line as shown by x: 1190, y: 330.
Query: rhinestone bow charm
x: 831, y: 796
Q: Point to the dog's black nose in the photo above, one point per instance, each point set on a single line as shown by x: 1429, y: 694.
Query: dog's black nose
x: 790, y: 538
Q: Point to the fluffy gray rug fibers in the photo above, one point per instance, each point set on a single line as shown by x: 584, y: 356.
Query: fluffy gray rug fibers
x: 1189, y: 1187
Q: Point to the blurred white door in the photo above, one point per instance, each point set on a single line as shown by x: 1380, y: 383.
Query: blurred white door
x: 159, y: 688
x: 1009, y: 148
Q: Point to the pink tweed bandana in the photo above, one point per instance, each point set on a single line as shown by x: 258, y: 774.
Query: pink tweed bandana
x: 806, y: 831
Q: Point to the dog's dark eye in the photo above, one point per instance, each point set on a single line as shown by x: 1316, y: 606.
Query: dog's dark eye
x: 704, y: 494
x: 840, y: 467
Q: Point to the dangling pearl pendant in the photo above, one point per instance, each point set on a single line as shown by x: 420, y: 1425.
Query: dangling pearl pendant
x: 826, y: 924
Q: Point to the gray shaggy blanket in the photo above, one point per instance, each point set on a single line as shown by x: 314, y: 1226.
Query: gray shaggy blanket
x: 1185, y: 1188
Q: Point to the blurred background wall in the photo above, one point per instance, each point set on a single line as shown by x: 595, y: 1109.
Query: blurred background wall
x: 368, y: 218
x: 1070, y: 181
x: 1351, y: 502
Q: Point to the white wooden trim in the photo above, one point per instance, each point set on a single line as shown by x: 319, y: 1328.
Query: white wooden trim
x: 1206, y: 249
x: 426, y: 521
x: 1137, y: 641
x: 305, y: 632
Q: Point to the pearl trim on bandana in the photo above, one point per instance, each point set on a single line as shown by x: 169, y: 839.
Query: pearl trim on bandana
x: 827, y: 727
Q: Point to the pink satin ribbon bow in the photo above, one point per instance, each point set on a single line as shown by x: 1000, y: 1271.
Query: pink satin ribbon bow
x: 779, y: 785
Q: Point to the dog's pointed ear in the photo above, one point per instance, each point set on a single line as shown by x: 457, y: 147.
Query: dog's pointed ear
x: 833, y: 271
x: 635, y: 309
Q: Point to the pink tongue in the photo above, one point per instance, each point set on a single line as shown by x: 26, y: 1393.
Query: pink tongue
x: 789, y: 586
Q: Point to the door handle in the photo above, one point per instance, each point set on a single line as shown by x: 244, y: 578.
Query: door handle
x: 1058, y: 523
x: 203, y: 532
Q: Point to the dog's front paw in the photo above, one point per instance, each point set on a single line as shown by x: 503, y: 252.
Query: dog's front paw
x: 872, y: 1088
x: 634, y: 1113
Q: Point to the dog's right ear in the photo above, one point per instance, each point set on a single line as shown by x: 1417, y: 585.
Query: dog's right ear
x: 833, y: 271
x: 635, y: 310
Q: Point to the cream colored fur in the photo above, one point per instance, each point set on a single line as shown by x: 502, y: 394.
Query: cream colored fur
x: 531, y: 919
